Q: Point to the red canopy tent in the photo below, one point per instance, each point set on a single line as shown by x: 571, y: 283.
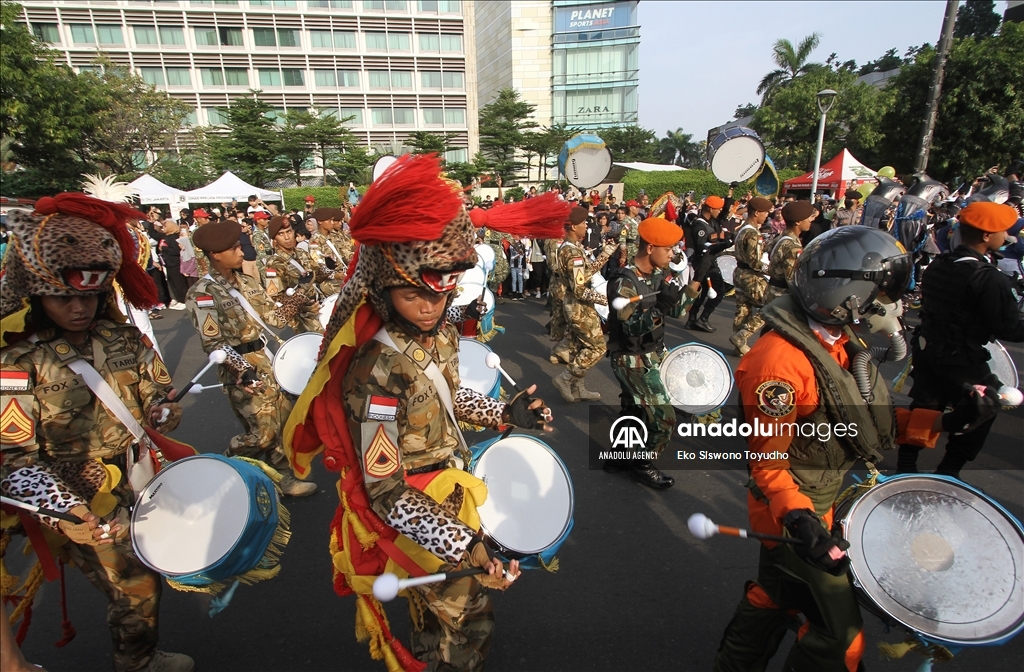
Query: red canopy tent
x: 839, y: 174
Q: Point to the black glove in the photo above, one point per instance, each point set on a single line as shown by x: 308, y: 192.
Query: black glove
x: 973, y: 408
x: 518, y: 413
x: 331, y: 264
x: 733, y: 185
x: 476, y: 310
x: 670, y: 296
x: 249, y: 378
x: 819, y: 548
x: 306, y: 278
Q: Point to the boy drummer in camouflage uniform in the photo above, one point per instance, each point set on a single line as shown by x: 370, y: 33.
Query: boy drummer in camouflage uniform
x: 749, y: 276
x: 293, y: 268
x: 384, y: 409
x: 637, y: 339
x: 63, y: 449
x: 219, y: 306
x: 787, y: 247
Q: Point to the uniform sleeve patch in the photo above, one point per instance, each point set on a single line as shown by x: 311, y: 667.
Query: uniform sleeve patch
x: 380, y: 458
x: 382, y: 409
x: 204, y: 301
x: 271, y: 273
x: 161, y: 376
x: 577, y: 261
x: 776, y: 398
x: 13, y: 381
x: 16, y: 426
x: 210, y: 327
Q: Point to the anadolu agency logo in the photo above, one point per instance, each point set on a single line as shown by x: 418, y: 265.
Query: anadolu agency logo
x: 628, y: 438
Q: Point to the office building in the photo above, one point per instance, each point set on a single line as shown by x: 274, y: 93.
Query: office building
x: 395, y: 66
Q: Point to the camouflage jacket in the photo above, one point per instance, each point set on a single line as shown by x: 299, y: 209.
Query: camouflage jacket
x: 55, y: 430
x: 398, y: 422
x: 343, y: 242
x: 283, y: 272
x: 750, y: 248
x: 576, y: 272
x: 785, y: 252
x: 629, y: 236
x: 261, y: 243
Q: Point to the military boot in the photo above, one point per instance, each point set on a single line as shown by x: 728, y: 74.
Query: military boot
x: 293, y: 487
x: 169, y: 662
x: 582, y: 393
x: 646, y: 473
x: 564, y: 384
x: 739, y: 340
x: 560, y: 354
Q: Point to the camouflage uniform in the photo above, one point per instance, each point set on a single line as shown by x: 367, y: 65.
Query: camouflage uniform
x: 785, y: 251
x: 583, y: 322
x: 749, y: 281
x: 56, y: 432
x: 283, y: 275
x: 264, y: 250
x: 398, y: 424
x: 501, y: 270
x: 342, y: 240
x: 629, y: 237
x: 320, y: 252
x: 224, y: 324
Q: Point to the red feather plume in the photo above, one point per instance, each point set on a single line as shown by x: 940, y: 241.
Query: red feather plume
x: 410, y: 201
x: 136, y: 284
x: 540, y: 217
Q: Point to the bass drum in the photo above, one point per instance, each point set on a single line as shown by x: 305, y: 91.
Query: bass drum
x: 295, y: 361
x: 697, y: 377
x: 736, y: 154
x: 600, y: 285
x: 530, y: 501
x: 327, y: 309
x: 938, y: 557
x: 1001, y: 364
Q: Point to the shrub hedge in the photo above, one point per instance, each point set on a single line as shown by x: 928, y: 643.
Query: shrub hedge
x: 701, y: 182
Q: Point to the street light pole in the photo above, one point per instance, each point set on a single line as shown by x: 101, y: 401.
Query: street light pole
x: 826, y: 98
x: 935, y: 91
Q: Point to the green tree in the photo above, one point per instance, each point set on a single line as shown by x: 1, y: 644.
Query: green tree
x: 328, y: 136
x: 746, y: 110
x: 352, y: 164
x: 977, y: 18
x: 503, y: 123
x: 188, y: 166
x: 427, y: 142
x: 888, y: 61
x: 294, y: 144
x: 631, y: 143
x: 981, y: 114
x: 248, y: 148
x: 788, y: 125
x: 679, y: 149
x: 792, y: 62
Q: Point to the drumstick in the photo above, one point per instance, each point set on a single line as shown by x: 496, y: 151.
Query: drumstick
x: 217, y: 356
x: 386, y: 586
x: 493, y: 361
x: 69, y: 517
x: 711, y: 290
x: 1011, y: 396
x: 702, y: 528
x: 620, y: 302
x: 199, y: 388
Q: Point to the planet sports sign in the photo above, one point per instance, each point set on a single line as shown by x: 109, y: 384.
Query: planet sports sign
x: 593, y: 17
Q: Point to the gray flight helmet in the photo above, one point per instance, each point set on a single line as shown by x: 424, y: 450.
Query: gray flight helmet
x: 841, y: 272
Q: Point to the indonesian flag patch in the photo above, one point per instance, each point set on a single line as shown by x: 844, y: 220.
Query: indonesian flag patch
x: 271, y: 273
x: 13, y: 381
x: 204, y: 301
x: 380, y: 459
x: 382, y: 409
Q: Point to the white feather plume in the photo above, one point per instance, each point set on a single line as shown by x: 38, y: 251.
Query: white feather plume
x: 107, y: 189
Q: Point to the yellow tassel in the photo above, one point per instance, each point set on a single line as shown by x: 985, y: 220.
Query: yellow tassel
x: 466, y: 427
x: 364, y: 536
x: 710, y: 418
x: 33, y: 582
x: 271, y: 473
x: 901, y: 378
x: 550, y: 567
x: 896, y: 651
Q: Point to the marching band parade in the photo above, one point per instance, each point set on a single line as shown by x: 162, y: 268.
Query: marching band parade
x: 394, y: 410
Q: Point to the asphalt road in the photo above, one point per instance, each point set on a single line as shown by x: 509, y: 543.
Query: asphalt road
x: 635, y: 590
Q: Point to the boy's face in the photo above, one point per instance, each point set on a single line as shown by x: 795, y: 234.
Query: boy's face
x: 419, y: 306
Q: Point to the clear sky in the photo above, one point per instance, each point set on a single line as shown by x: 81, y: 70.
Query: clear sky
x: 700, y: 60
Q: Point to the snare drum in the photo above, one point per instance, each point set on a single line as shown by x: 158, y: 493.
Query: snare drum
x: 473, y: 370
x: 1001, y: 364
x: 727, y: 266
x: 381, y: 165
x: 585, y: 160
x: 697, y: 377
x: 937, y: 556
x: 295, y: 361
x: 736, y: 154
x: 600, y: 285
x: 474, y: 276
x: 208, y: 519
x: 529, y: 509
x: 327, y: 308
x: 485, y: 258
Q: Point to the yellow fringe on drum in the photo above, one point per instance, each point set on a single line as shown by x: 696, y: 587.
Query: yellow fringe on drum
x: 712, y: 418
x: 937, y: 652
x: 495, y: 330
x: 549, y: 566
x: 857, y: 488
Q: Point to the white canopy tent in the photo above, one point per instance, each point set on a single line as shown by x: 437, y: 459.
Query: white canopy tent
x: 652, y: 167
x: 152, y: 191
x: 229, y: 187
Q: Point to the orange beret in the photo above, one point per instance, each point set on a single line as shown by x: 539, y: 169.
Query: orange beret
x: 987, y: 216
x: 278, y: 223
x: 660, y: 232
x: 218, y: 237
x: 714, y: 202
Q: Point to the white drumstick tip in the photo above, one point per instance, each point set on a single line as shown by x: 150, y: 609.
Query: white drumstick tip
x: 196, y: 389
x: 492, y: 360
x: 620, y: 302
x: 701, y: 526
x: 385, y: 587
x: 290, y: 291
x: 1011, y: 396
x: 218, y: 356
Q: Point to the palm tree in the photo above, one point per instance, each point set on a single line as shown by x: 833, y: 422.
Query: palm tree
x: 678, y: 149
x: 792, y: 63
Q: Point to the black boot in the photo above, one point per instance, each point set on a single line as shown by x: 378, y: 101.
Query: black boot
x: 703, y: 325
x: 691, y: 323
x: 951, y: 465
x: 651, y: 476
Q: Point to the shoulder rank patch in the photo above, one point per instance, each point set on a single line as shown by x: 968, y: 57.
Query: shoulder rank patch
x: 160, y: 374
x: 380, y: 459
x: 776, y: 398
x: 204, y: 301
x: 15, y: 424
x: 210, y: 327
x: 382, y: 409
x: 13, y: 381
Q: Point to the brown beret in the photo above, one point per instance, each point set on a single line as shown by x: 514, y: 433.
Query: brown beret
x: 276, y: 224
x: 759, y: 204
x: 660, y: 232
x: 578, y: 215
x: 798, y: 211
x: 987, y: 216
x: 337, y: 214
x: 218, y: 236
x: 320, y: 214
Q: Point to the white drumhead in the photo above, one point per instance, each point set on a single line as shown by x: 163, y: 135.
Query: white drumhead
x: 190, y: 516
x: 529, y: 495
x: 698, y: 378
x: 326, y: 308
x: 473, y: 370
x: 600, y: 285
x: 485, y: 258
x: 738, y: 159
x: 1001, y: 364
x: 295, y: 361
x: 470, y: 293
x: 727, y: 265
x: 588, y: 166
x: 382, y: 164
x: 474, y: 276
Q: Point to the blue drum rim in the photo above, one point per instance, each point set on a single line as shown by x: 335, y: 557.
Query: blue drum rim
x: 995, y: 640
x: 478, y: 451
